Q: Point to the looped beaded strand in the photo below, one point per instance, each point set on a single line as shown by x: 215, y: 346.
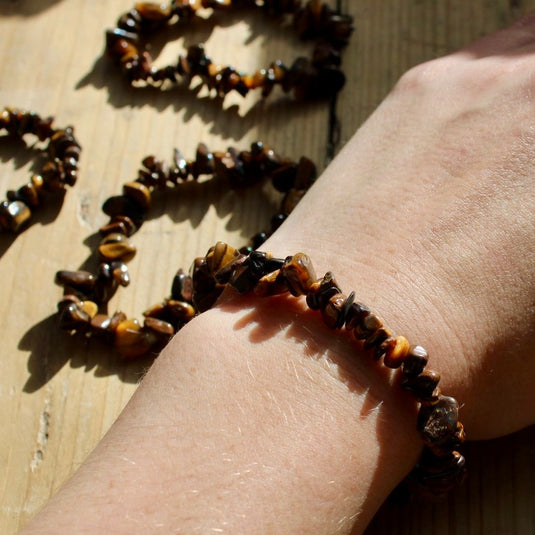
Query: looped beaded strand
x: 317, y: 77
x: 86, y: 294
x: 59, y: 170
x: 441, y: 466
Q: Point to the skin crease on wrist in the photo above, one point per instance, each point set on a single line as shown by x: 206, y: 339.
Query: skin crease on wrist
x: 256, y: 417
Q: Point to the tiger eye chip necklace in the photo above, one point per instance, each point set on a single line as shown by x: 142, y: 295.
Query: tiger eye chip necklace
x: 319, y: 76
x: 59, y: 170
x: 86, y: 294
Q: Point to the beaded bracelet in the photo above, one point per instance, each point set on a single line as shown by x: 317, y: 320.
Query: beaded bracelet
x: 441, y: 466
x: 317, y: 77
x: 83, y: 307
x: 59, y: 170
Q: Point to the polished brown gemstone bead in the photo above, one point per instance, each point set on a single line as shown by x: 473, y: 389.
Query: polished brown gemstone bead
x: 119, y: 272
x: 73, y: 318
x: 369, y: 324
x: 375, y: 339
x: 81, y: 280
x: 105, y: 285
x: 159, y: 326
x: 395, y: 350
x: 121, y: 205
x: 271, y: 284
x: 437, y: 475
x: 113, y: 227
x: 90, y: 308
x: 113, y: 36
x: 67, y: 300
x: 156, y: 311
x: 291, y: 199
x: 29, y: 195
x: 153, y: 12
x: 116, y: 247
x: 219, y: 256
x: 131, y: 341
x: 225, y: 274
x: 355, y: 315
x: 335, y: 311
x: 101, y: 326
x: 182, y: 287
x: 299, y: 274
x: 14, y: 215
x: 181, y: 310
x: 205, y: 289
x: 438, y: 422
x: 415, y: 362
x: 321, y: 291
x: 423, y: 385
x: 139, y: 193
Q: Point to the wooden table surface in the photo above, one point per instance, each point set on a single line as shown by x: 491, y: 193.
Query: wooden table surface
x: 59, y: 394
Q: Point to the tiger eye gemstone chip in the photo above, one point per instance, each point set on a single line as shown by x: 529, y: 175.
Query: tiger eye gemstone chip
x: 423, y: 386
x: 299, y: 274
x: 219, y: 256
x: 116, y: 246
x: 438, y: 422
x: 321, y: 291
x: 415, y: 361
x: 335, y: 312
x: 395, y: 350
x: 131, y: 340
x: 139, y: 193
x: 271, y: 284
x: 14, y: 215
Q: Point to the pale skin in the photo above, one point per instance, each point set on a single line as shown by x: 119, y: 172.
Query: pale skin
x: 259, y: 419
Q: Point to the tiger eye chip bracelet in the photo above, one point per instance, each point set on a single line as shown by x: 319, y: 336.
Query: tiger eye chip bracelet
x: 309, y: 78
x: 441, y: 466
x: 59, y: 170
x: 84, y: 303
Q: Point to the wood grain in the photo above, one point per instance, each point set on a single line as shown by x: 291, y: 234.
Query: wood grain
x: 59, y: 395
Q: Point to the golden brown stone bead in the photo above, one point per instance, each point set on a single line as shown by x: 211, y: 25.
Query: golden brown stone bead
x: 161, y: 327
x: 423, y: 385
x: 81, y: 280
x: 396, y: 350
x: 131, y: 341
x: 181, y: 310
x: 370, y: 323
x: 72, y: 318
x: 374, y: 340
x: 182, y: 287
x: 116, y: 247
x: 355, y: 315
x: 100, y: 325
x: 29, y: 195
x: 335, y: 311
x: 139, y: 193
x: 415, y: 362
x: 291, y: 199
x: 153, y: 12
x: 270, y: 285
x: 90, y: 308
x: 438, y: 422
x: 321, y: 291
x: 219, y: 256
x: 14, y: 215
x: 299, y: 274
